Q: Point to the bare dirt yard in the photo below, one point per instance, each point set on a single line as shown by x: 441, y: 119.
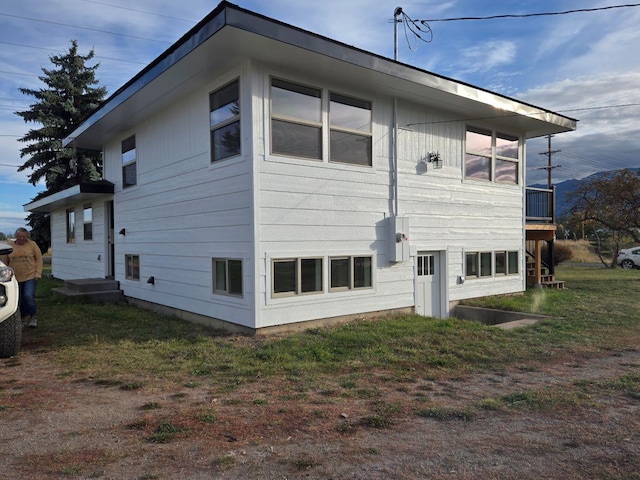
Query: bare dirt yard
x: 570, y: 419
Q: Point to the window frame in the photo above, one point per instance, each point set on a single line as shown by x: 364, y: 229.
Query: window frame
x: 70, y: 215
x: 131, y: 271
x: 226, y: 122
x: 350, y: 131
x: 129, y: 164
x: 226, y: 289
x: 511, y: 261
x: 352, y: 274
x: 494, y: 159
x: 298, y: 276
x: 87, y: 225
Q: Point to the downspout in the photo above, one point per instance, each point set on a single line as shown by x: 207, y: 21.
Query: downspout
x: 394, y: 134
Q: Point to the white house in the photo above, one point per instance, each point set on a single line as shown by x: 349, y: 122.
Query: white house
x: 258, y: 175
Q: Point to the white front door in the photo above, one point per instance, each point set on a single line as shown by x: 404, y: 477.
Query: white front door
x: 428, y: 282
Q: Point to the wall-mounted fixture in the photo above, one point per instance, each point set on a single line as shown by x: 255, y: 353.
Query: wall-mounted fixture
x: 99, y: 257
x: 435, y: 159
x: 151, y: 280
x: 122, y: 231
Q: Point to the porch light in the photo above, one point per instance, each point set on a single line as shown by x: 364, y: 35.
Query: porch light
x: 122, y: 231
x: 151, y: 280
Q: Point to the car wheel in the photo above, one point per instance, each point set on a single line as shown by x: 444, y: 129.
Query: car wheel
x: 11, y: 335
x: 627, y: 264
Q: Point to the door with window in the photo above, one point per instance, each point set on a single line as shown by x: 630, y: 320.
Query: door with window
x: 428, y: 284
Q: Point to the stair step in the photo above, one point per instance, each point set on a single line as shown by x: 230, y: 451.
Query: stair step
x: 85, y: 285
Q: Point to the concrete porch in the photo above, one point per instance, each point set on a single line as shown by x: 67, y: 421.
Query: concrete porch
x: 100, y: 290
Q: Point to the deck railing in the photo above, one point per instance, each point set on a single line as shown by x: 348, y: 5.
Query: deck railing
x: 541, y: 205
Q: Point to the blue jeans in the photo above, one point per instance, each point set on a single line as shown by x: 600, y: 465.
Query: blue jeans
x: 27, y: 299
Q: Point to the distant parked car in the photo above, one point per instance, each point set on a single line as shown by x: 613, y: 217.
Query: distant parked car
x: 629, y: 258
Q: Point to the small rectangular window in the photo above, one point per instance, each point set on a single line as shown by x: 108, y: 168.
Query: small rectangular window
x: 513, y: 263
x: 132, y: 267
x: 224, y: 119
x: 471, y: 264
x: 129, y: 170
x: 501, y: 263
x: 71, y: 226
x: 227, y: 276
x: 87, y: 214
x: 351, y: 273
x: 351, y: 139
x: 297, y: 276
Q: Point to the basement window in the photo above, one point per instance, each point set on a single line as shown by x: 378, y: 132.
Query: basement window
x: 132, y: 267
x: 296, y: 276
x: 227, y: 276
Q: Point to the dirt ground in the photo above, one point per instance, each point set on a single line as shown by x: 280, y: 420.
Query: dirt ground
x: 59, y: 426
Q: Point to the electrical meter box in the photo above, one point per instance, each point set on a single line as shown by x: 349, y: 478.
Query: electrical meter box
x: 398, y: 239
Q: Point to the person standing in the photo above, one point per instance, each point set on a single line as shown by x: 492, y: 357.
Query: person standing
x: 26, y: 263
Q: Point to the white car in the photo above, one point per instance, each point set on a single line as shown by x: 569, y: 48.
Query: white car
x: 629, y: 258
x: 10, y: 323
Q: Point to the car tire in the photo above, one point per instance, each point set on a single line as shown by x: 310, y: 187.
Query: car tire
x: 627, y: 264
x: 11, y: 335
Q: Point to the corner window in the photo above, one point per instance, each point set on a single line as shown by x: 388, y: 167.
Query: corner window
x: 350, y: 121
x: 132, y: 267
x: 296, y: 276
x: 296, y: 120
x: 350, y: 273
x: 224, y: 119
x: 492, y: 156
x: 71, y: 226
x: 87, y: 218
x: 129, y: 170
x: 227, y: 276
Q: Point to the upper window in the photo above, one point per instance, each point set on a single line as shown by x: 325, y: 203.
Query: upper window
x: 71, y: 226
x: 129, y: 171
x: 492, y: 156
x: 87, y: 219
x: 227, y: 276
x: 296, y: 120
x: 350, y: 121
x: 224, y: 118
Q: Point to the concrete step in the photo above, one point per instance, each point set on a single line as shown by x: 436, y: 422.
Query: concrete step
x: 83, y: 285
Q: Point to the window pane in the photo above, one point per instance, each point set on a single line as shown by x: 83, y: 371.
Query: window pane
x: 132, y: 267
x: 421, y: 262
x: 432, y: 267
x: 226, y: 141
x: 87, y: 214
x: 88, y: 231
x: 350, y: 148
x: 296, y: 140
x: 220, y: 276
x: 235, y: 277
x: 129, y: 175
x: 472, y: 265
x: 224, y: 104
x: 296, y: 101
x: 485, y: 264
x: 284, y: 276
x: 339, y: 272
x: 350, y: 113
x: 506, y: 171
x: 362, y: 272
x: 501, y: 263
x: 477, y: 167
x: 129, y: 149
x: 506, y: 146
x: 310, y: 275
x: 479, y: 141
x: 513, y: 263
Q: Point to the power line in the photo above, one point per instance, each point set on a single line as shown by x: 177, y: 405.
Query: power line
x: 527, y: 15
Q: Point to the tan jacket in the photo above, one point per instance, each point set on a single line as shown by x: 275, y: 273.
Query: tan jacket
x: 25, y: 260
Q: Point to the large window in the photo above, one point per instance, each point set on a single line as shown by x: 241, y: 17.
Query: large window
x: 227, y: 276
x: 350, y: 273
x: 87, y: 219
x: 132, y: 267
x: 492, y: 156
x: 350, y: 121
x: 487, y: 264
x: 224, y: 117
x: 129, y: 169
x: 71, y: 226
x: 296, y: 120
x: 296, y: 276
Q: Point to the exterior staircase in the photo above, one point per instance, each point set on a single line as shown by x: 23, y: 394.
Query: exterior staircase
x: 547, y: 279
x: 100, y: 290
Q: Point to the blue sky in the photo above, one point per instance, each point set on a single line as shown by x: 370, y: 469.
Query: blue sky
x: 584, y: 65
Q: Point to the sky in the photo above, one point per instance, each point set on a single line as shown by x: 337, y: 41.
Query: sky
x: 584, y: 65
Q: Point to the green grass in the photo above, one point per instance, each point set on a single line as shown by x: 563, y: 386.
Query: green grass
x: 599, y: 311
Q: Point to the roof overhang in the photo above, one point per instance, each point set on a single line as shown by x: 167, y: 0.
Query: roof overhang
x: 230, y: 35
x: 84, y: 192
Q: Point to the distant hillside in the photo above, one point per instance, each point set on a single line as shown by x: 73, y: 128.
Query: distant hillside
x: 569, y: 186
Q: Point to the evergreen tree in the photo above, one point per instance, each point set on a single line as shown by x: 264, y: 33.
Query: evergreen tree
x: 70, y: 96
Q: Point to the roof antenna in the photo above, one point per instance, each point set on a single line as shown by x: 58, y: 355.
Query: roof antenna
x: 416, y: 27
x: 396, y: 13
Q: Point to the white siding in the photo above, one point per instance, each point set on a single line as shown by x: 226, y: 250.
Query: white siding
x: 84, y: 258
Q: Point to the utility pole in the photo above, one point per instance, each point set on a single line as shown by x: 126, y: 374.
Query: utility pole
x: 549, y: 167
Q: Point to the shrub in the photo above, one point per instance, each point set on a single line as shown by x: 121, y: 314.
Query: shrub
x: 561, y: 253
